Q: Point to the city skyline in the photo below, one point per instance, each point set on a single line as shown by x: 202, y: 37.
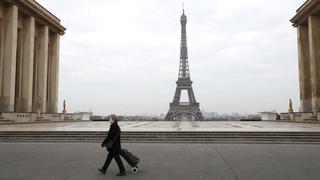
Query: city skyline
x: 122, y: 57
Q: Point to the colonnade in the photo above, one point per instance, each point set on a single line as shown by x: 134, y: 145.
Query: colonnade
x: 309, y: 63
x: 29, y: 63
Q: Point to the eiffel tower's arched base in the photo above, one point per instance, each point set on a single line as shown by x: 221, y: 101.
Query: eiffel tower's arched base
x: 176, y: 112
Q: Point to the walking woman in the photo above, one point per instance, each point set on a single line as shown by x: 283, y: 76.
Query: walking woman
x: 113, y: 145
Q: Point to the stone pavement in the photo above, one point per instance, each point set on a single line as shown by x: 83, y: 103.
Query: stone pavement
x: 79, y: 161
x: 223, y: 126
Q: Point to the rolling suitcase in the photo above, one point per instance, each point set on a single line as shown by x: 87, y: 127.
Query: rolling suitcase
x: 131, y: 159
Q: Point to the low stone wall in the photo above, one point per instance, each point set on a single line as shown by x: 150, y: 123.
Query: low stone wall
x: 294, y: 116
x: 34, y: 117
x: 299, y: 116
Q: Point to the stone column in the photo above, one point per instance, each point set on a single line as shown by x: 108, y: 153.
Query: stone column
x: 27, y: 64
x: 314, y: 44
x: 304, y: 69
x: 9, y: 59
x: 1, y: 49
x: 18, y: 84
x: 53, y: 73
x: 41, y: 67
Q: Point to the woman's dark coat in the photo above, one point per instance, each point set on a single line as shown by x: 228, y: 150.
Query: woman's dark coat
x: 113, y: 131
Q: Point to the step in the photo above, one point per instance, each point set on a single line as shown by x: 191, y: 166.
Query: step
x: 163, y: 137
x: 164, y: 141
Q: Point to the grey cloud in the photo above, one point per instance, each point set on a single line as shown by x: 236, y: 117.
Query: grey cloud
x: 122, y: 56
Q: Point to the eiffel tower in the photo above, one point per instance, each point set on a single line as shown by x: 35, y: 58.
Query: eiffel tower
x: 184, y: 110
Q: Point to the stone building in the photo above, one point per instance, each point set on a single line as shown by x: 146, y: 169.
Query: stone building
x: 307, y: 21
x: 29, y: 57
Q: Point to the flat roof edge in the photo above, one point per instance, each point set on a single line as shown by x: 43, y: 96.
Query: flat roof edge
x: 303, y: 11
x: 40, y: 12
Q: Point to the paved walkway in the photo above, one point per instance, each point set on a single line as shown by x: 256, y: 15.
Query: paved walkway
x: 73, y: 161
x: 258, y: 126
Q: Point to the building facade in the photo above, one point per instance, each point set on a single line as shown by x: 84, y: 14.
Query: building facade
x: 307, y: 22
x: 29, y: 57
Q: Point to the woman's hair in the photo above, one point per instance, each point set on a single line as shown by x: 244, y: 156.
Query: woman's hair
x: 114, y: 118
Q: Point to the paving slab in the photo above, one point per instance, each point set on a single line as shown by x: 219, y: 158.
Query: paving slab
x: 79, y: 161
x: 214, y: 126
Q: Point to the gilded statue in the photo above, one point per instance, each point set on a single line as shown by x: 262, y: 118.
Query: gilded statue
x: 39, y: 102
x: 315, y: 100
x: 38, y: 106
x: 315, y: 105
x: 64, y: 106
x: 290, y: 106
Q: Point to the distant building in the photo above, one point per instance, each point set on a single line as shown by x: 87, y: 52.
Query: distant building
x: 99, y: 118
x: 210, y: 114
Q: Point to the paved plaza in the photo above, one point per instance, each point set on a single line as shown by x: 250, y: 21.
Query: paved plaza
x: 77, y: 161
x: 72, y: 161
x: 223, y: 126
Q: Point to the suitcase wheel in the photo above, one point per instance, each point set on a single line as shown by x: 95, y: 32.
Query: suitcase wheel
x: 135, y: 170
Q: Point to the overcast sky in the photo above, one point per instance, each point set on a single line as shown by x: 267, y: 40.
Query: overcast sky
x: 122, y: 56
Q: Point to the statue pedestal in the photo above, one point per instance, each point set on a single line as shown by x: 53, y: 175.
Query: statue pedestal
x: 38, y: 113
x: 315, y: 115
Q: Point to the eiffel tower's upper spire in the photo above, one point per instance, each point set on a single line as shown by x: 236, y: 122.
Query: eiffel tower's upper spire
x: 184, y: 65
x: 182, y: 8
x: 183, y: 16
